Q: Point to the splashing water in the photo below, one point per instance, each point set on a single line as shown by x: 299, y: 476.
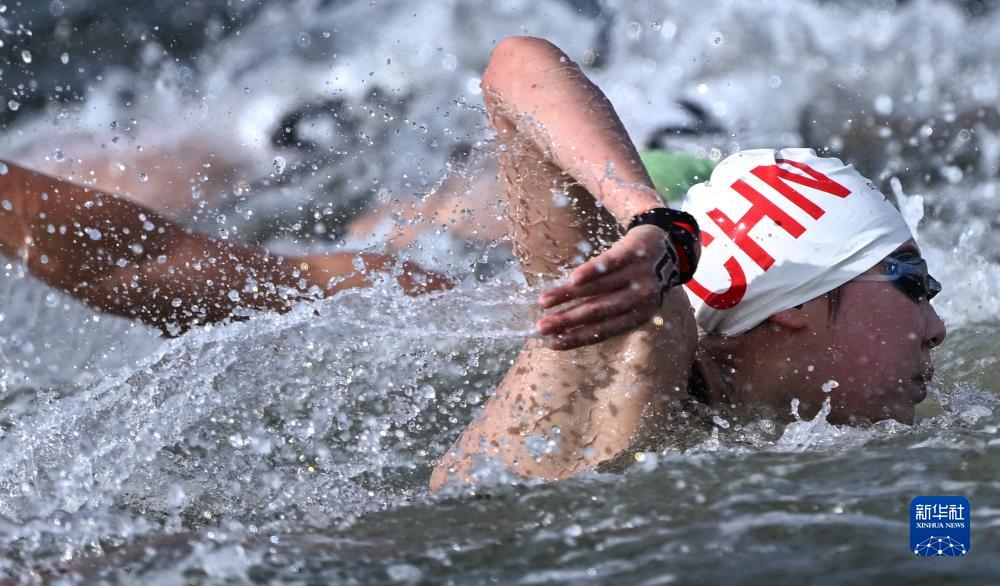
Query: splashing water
x: 297, y: 447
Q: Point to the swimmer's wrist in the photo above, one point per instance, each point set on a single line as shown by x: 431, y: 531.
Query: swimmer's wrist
x: 683, y: 232
x: 625, y: 201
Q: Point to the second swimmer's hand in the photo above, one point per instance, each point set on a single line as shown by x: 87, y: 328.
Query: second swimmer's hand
x: 416, y: 280
x: 612, y: 293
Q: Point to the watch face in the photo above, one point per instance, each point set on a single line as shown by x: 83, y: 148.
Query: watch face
x: 666, y: 267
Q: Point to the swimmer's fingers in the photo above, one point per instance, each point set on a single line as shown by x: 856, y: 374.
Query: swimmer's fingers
x: 570, y: 291
x: 633, y: 301
x: 594, y: 333
x: 642, y: 245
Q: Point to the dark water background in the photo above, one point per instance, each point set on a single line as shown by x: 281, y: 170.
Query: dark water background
x: 296, y: 448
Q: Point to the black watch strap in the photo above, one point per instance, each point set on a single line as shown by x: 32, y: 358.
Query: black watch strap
x: 684, y: 235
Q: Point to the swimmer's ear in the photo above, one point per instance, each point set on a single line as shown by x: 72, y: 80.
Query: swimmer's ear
x: 793, y: 318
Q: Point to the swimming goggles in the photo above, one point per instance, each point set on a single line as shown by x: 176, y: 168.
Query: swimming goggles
x: 908, y: 272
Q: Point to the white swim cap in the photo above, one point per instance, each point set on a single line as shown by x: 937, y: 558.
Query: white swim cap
x: 780, y: 227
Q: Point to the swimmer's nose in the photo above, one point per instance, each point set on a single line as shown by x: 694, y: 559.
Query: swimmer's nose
x: 935, y: 331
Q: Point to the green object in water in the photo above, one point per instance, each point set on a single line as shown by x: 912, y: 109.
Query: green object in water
x: 673, y: 174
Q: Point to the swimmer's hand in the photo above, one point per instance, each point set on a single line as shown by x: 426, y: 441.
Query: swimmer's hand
x: 348, y: 270
x: 411, y: 277
x: 612, y: 293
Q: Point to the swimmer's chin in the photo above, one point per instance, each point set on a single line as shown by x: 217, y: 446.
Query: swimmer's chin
x: 908, y: 417
x: 905, y: 410
x: 901, y: 412
x: 905, y: 413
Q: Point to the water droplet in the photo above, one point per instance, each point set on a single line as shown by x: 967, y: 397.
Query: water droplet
x: 143, y: 177
x: 634, y: 31
x: 702, y: 88
x: 58, y: 156
x: 774, y: 81
x: 716, y: 38
x: 279, y: 165
x: 92, y: 233
x: 233, y: 295
x: 7, y: 205
x: 668, y: 30
x: 952, y: 174
x: 64, y: 58
x: 3, y: 168
x: 175, y: 496
x: 13, y: 105
x: 26, y: 55
x: 175, y: 302
x: 404, y: 573
x: 883, y: 105
x: 829, y: 386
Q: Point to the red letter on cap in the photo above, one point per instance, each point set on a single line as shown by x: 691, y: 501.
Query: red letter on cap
x: 773, y: 175
x: 761, y: 207
x: 731, y: 296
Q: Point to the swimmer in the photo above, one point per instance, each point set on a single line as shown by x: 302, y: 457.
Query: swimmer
x: 809, y: 285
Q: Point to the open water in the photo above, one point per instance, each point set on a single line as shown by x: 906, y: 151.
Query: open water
x: 296, y: 448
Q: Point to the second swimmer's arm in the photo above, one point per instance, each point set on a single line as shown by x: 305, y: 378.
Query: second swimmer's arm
x: 123, y: 258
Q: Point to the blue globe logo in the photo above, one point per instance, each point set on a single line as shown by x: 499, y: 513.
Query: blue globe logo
x: 940, y: 546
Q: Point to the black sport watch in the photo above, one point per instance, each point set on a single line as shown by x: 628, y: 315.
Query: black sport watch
x: 684, y: 235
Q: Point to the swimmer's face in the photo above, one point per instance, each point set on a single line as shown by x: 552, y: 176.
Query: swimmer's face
x: 877, y: 349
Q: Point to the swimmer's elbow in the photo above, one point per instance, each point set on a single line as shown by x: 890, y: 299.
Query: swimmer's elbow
x: 521, y: 46
x: 513, y: 53
x: 438, y: 478
x: 445, y: 472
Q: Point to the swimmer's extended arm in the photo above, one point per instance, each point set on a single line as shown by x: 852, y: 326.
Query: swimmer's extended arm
x: 123, y: 258
x: 535, y: 92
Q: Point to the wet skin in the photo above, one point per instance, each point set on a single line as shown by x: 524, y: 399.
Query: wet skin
x: 883, y: 340
x: 876, y: 346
